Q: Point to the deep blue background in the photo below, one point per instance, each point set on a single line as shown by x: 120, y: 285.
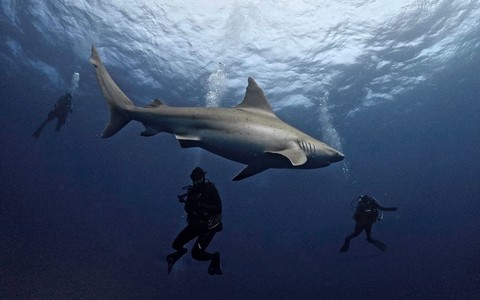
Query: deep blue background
x: 85, y: 217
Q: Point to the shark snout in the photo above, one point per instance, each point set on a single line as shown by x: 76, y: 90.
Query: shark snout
x: 337, y: 156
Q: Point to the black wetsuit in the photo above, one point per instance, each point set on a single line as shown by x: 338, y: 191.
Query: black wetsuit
x: 204, y: 209
x: 365, y: 215
x: 62, y: 107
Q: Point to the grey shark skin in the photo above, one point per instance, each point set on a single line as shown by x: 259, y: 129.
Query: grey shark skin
x: 250, y: 133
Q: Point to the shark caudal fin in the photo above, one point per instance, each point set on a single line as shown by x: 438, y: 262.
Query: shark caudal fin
x: 120, y: 105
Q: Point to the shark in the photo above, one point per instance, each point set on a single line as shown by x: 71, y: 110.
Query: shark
x: 250, y: 133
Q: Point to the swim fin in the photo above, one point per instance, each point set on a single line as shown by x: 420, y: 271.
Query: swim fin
x: 173, y: 258
x: 381, y: 246
x: 346, y: 245
x: 214, y: 267
x: 38, y: 131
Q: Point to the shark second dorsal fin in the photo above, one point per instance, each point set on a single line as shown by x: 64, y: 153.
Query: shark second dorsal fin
x: 156, y: 103
x: 255, y: 99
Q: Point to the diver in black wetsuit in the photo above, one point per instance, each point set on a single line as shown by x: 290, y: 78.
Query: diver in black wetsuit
x: 62, y: 107
x: 365, y: 215
x: 204, y: 217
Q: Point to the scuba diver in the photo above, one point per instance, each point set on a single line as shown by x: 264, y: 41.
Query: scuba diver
x: 204, y: 217
x: 366, y: 213
x: 60, y: 111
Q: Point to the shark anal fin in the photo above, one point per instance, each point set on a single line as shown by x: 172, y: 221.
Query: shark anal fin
x: 149, y: 131
x: 296, y: 156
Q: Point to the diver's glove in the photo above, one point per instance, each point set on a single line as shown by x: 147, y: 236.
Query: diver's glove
x: 181, y: 198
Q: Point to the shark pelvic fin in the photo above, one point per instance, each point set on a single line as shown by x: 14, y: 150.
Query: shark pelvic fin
x: 188, y: 141
x: 248, y: 171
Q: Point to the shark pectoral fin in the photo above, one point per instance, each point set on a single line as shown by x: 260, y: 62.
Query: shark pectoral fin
x: 248, y: 171
x: 267, y: 160
x: 296, y: 156
x: 188, y: 141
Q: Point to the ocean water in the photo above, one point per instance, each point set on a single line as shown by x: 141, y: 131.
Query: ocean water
x: 394, y: 85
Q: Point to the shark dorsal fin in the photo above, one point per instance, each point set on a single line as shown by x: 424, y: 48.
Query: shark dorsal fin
x: 156, y: 103
x: 255, y: 99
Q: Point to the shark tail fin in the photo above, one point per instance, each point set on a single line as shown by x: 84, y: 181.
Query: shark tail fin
x: 117, y: 122
x: 120, y: 105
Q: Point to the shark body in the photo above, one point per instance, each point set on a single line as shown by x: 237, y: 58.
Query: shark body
x: 249, y: 133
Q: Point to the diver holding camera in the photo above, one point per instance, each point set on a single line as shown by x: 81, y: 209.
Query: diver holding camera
x: 204, y: 217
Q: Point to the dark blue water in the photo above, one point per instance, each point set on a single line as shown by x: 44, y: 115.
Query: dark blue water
x: 88, y: 218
